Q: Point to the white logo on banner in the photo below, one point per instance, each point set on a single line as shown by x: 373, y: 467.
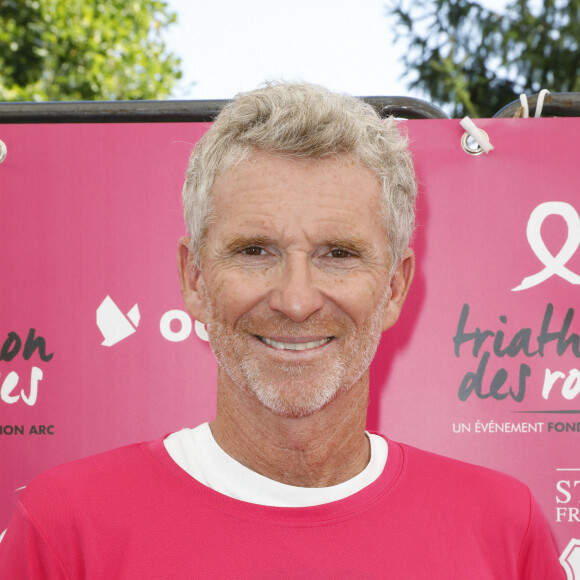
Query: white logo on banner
x: 185, y: 326
x: 570, y: 560
x: 113, y: 324
x: 554, y: 265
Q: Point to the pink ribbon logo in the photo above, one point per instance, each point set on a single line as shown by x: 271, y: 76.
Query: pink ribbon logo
x: 554, y: 265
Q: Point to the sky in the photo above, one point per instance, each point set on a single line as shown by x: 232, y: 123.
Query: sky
x: 227, y: 46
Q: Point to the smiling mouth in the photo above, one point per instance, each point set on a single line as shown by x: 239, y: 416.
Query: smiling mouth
x: 294, y: 345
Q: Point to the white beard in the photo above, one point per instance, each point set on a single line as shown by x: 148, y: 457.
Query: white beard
x: 292, y: 389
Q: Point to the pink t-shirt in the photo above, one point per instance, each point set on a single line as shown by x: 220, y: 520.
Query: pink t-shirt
x: 134, y: 513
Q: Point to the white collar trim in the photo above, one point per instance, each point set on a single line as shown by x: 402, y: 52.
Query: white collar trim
x: 197, y: 452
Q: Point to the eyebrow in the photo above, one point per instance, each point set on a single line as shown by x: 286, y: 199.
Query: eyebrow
x: 239, y: 242
x: 351, y: 244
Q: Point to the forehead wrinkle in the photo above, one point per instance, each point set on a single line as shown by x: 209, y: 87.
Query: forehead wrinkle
x: 267, y: 230
x: 317, y: 199
x: 264, y: 210
x: 230, y: 190
x: 270, y: 219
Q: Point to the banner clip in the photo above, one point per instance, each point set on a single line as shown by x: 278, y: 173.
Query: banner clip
x: 3, y: 151
x: 478, y: 135
x: 524, y: 110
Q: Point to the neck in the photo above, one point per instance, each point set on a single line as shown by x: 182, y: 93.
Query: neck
x: 320, y: 450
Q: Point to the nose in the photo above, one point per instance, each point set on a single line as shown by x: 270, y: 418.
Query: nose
x: 295, y: 293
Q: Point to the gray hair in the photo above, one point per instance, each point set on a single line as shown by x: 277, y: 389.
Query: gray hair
x: 301, y: 120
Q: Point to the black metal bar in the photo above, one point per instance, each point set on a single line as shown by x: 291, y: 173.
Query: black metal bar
x: 174, y: 111
x: 110, y: 111
x: 555, y: 105
x: 406, y: 107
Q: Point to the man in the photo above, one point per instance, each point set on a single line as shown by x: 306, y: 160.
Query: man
x: 299, y: 205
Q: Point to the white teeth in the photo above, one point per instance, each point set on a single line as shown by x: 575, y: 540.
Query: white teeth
x: 293, y: 345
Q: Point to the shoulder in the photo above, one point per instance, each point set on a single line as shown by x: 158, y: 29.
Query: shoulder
x: 75, y: 483
x: 461, y: 487
x: 484, y: 506
x: 96, y: 465
x: 66, y: 514
x: 454, y: 472
x: 472, y: 514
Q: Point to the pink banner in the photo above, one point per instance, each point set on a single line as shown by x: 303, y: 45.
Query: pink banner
x: 96, y: 350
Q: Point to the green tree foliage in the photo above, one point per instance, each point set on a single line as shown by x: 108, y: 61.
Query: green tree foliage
x: 60, y: 50
x: 473, y: 61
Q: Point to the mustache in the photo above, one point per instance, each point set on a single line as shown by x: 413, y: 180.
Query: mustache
x: 317, y: 324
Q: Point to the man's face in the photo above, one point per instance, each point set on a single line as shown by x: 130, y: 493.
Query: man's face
x: 294, y: 284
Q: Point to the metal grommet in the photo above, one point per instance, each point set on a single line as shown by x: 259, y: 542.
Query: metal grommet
x: 3, y: 151
x: 470, y: 145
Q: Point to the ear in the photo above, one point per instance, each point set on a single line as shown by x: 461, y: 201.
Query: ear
x: 191, y: 281
x: 400, y: 284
